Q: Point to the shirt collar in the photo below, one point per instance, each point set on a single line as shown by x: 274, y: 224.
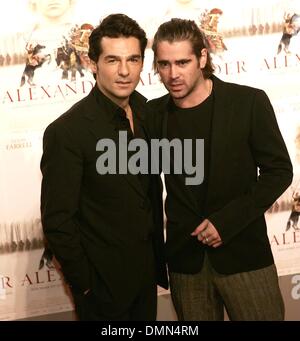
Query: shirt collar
x: 111, y: 109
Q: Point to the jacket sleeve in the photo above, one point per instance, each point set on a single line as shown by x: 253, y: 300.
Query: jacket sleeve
x: 275, y: 173
x: 61, y: 167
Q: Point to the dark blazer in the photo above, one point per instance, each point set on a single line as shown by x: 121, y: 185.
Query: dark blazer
x: 244, y: 138
x: 98, y: 226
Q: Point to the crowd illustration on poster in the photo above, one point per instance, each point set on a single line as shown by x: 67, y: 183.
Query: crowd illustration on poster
x: 294, y: 216
x: 57, y: 41
x: 291, y: 27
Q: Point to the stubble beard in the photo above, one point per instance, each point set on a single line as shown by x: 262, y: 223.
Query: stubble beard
x: 184, y: 94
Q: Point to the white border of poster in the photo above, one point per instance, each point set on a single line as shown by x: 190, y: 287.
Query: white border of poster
x: 244, y: 40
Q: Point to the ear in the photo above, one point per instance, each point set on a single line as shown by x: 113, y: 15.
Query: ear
x: 203, y: 58
x: 93, y: 66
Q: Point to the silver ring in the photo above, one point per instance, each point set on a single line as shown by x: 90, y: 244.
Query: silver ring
x: 206, y: 239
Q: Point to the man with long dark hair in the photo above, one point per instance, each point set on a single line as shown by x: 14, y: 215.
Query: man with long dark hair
x: 218, y: 251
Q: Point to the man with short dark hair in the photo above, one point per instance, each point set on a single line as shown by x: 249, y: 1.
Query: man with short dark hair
x: 105, y: 230
x: 217, y: 247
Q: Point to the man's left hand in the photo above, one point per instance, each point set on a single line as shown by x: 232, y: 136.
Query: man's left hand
x: 207, y: 234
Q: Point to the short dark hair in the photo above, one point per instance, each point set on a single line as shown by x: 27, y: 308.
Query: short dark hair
x: 115, y: 26
x: 179, y: 30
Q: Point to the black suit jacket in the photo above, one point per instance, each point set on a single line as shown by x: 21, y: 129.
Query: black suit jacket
x: 244, y: 138
x: 97, y: 225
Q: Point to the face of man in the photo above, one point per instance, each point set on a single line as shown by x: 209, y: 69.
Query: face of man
x: 53, y: 8
x: 118, y: 68
x: 180, y: 69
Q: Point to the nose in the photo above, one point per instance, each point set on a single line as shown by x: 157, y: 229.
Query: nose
x: 173, y: 72
x: 123, y: 69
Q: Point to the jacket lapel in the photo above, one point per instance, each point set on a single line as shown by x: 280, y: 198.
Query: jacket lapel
x: 100, y: 125
x: 220, y: 137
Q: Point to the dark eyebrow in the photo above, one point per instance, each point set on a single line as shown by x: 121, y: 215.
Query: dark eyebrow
x: 183, y: 60
x: 176, y: 61
x: 135, y: 56
x: 111, y: 56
